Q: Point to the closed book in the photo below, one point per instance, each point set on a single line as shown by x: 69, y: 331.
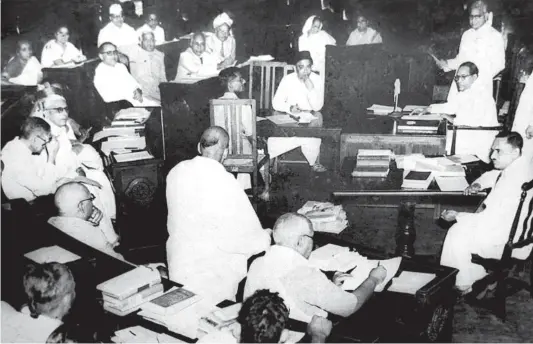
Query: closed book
x: 129, y: 283
x: 118, y: 311
x: 373, y: 162
x: 370, y: 171
x: 417, y: 180
x: 171, y: 302
x: 136, y: 299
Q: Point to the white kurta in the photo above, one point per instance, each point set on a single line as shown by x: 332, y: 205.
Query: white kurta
x: 159, y: 33
x: 53, y: 51
x: 115, y: 83
x: 292, y: 91
x: 119, y: 36
x: 30, y: 74
x: 20, y: 327
x: 102, y: 237
x: 485, y: 48
x: 524, y: 116
x: 472, y: 107
x: 486, y: 232
x: 193, y: 66
x: 221, y: 50
x: 316, y: 45
x: 26, y: 175
x: 148, y: 69
x: 213, y: 229
x: 370, y: 36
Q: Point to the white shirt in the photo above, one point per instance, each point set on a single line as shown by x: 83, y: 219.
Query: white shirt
x: 119, y: 36
x: 20, y: 327
x: 148, y: 69
x: 221, y: 50
x: 53, y: 51
x: 159, y: 33
x: 30, y: 74
x: 101, y: 237
x: 370, y: 36
x: 26, y: 175
x: 114, y: 83
x: 305, y: 289
x: 292, y: 91
x: 194, y: 66
x: 316, y: 45
x: 213, y: 229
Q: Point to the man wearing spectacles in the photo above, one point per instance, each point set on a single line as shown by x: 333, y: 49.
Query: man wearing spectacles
x: 112, y: 79
x: 82, y: 220
x: 482, y: 45
x: 471, y: 107
x: 285, y: 268
x: 196, y: 62
x: 116, y: 31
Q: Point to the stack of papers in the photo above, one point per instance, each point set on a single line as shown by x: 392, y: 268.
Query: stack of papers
x: 382, y: 109
x: 281, y: 119
x: 463, y: 158
x: 428, y: 117
x: 219, y: 318
x: 325, y: 216
x: 139, y: 334
x: 410, y: 282
x: 52, y: 254
x: 373, y: 163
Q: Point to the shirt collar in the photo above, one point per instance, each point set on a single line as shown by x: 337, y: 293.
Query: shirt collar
x: 288, y: 254
x: 208, y: 161
x: 229, y: 95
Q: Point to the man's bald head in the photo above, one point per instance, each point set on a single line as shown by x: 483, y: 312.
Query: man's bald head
x: 481, y: 5
x: 214, y: 143
x: 70, y: 200
x: 294, y: 231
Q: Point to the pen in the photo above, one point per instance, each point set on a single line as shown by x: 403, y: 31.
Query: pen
x: 133, y: 333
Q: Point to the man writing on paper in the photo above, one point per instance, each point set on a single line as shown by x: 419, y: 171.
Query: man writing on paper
x: 472, y: 107
x: 285, y: 268
x: 301, y: 96
x: 213, y: 229
x: 196, y: 62
x: 482, y: 45
x: 82, y: 220
x: 486, y: 231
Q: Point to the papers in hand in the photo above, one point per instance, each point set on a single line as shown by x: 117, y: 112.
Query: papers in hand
x: 381, y: 109
x: 363, y: 268
x: 410, y: 282
x: 52, y: 254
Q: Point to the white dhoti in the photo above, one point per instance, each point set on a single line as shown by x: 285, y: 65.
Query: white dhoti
x: 476, y: 142
x: 280, y: 145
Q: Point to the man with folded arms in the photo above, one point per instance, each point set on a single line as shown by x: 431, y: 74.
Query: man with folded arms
x: 212, y: 226
x: 306, y: 290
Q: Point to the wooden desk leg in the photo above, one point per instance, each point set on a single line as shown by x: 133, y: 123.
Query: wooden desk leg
x: 406, y: 233
x: 437, y: 211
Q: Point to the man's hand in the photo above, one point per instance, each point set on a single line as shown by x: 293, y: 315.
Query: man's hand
x: 88, y: 181
x: 378, y: 273
x: 339, y: 278
x: 449, y: 215
x: 84, y: 134
x: 529, y: 132
x: 52, y: 148
x: 81, y: 172
x: 295, y: 109
x: 319, y: 329
x: 138, y: 95
x: 309, y: 84
x: 268, y: 231
x: 96, y: 216
x: 472, y: 189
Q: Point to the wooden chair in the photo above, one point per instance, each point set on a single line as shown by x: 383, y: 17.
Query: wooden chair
x: 456, y: 128
x: 270, y: 75
x: 239, y: 161
x: 521, y: 235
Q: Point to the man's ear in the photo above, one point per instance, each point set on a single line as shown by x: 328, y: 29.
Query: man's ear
x: 284, y: 336
x: 199, y: 148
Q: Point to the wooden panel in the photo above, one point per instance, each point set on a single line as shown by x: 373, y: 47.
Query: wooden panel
x: 400, y: 144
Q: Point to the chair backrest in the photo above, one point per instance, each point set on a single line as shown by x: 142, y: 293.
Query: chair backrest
x: 456, y: 128
x: 521, y: 234
x: 270, y: 75
x: 233, y: 114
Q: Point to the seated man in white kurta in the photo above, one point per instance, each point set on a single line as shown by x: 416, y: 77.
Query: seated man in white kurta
x: 523, y: 119
x: 363, y: 34
x: 472, y: 107
x: 116, y: 31
x: 195, y: 62
x: 212, y: 226
x: 152, y: 25
x: 112, y: 79
x: 298, y: 93
x: 486, y: 231
x: 285, y: 269
x: 82, y: 220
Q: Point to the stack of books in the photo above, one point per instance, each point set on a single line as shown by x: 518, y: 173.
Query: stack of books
x: 373, y: 163
x: 125, y: 293
x: 417, y: 180
x: 325, y: 216
x: 219, y: 318
x: 419, y: 124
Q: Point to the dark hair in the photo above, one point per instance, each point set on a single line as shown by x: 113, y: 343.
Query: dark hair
x: 227, y: 75
x: 319, y: 18
x: 101, y: 47
x: 472, y: 68
x: 32, y: 124
x: 263, y: 317
x: 513, y: 138
x: 21, y: 42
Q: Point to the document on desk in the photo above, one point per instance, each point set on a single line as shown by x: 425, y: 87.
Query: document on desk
x: 52, y: 254
x: 451, y: 183
x: 382, y: 109
x: 281, y: 119
x: 409, y: 282
x: 428, y: 117
x: 463, y: 158
x: 304, y: 117
x: 363, y: 268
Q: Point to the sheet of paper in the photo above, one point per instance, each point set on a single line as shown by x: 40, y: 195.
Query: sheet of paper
x: 363, y: 268
x: 259, y: 118
x: 281, y: 119
x: 381, y: 109
x: 147, y: 102
x: 463, y: 158
x: 134, y: 156
x: 451, y: 183
x: 428, y: 117
x: 321, y: 257
x: 410, y: 282
x: 304, y: 117
x: 409, y: 108
x: 52, y: 254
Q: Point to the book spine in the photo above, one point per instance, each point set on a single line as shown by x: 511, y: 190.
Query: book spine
x: 134, y: 299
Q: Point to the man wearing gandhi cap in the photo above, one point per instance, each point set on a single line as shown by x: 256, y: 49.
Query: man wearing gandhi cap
x: 116, y: 31
x: 222, y: 43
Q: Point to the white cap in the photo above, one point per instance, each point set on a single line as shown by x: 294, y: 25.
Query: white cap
x: 115, y: 9
x: 221, y: 19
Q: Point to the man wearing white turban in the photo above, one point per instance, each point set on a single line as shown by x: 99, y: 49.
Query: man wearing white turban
x: 222, y: 44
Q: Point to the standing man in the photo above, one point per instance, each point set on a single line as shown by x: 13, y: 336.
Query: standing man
x: 482, y: 45
x: 212, y: 226
x: 152, y: 25
x: 147, y: 65
x: 116, y: 31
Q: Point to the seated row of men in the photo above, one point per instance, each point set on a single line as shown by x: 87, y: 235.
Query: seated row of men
x: 50, y: 291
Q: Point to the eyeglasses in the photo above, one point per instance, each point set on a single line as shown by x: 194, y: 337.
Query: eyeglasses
x: 476, y: 16
x: 110, y: 53
x: 116, y: 16
x: 58, y: 109
x: 87, y: 199
x: 461, y: 77
x: 45, y: 141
